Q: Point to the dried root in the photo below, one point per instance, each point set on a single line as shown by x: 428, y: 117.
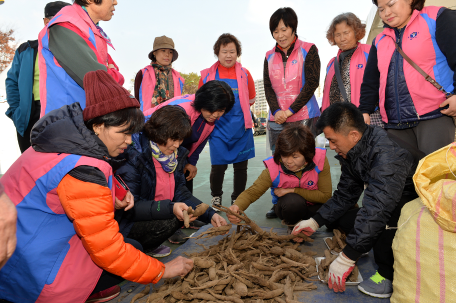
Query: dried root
x: 248, y: 265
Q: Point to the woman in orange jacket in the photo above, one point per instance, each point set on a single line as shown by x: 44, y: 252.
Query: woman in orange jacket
x: 69, y: 248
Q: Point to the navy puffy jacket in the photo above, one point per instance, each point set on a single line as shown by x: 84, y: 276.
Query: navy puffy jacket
x: 139, y: 174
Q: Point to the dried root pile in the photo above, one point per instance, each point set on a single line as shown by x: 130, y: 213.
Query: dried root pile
x: 337, y: 243
x: 323, y: 268
x: 249, y: 265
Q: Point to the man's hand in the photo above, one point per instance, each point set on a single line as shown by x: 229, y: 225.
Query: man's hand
x: 280, y: 192
x: 8, y: 218
x: 307, y: 227
x: 127, y: 203
x: 280, y: 117
x: 178, y: 267
x: 192, y: 170
x: 233, y: 219
x: 339, y: 270
x: 367, y: 119
x: 178, y: 211
x: 451, y: 110
x: 218, y: 221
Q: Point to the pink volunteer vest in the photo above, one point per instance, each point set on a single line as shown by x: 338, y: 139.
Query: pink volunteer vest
x: 288, y: 86
x: 148, y: 86
x: 357, y: 68
x: 309, y: 180
x: 75, y: 15
x: 45, y: 171
x: 191, y: 112
x: 164, y: 189
x: 242, y: 80
x: 419, y: 44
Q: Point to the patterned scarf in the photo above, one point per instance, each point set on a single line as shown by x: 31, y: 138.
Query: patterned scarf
x: 102, y: 33
x: 162, y: 90
x: 168, y: 163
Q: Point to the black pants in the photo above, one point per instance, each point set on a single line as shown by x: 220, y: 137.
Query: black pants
x: 429, y: 135
x: 293, y: 208
x: 239, y: 182
x: 107, y: 279
x: 151, y: 234
x: 383, y: 252
x: 24, y: 141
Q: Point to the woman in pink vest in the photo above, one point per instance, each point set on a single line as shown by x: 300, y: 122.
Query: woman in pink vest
x: 70, y: 46
x: 298, y: 175
x: 158, y: 81
x: 231, y: 142
x: 291, y: 75
x: 345, y: 31
x: 211, y: 101
x: 69, y: 247
x: 412, y: 108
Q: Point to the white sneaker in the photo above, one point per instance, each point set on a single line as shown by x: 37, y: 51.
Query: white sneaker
x: 217, y: 201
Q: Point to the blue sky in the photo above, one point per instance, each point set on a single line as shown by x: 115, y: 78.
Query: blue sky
x: 194, y: 26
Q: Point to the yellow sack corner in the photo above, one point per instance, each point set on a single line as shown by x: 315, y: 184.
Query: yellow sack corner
x: 425, y: 243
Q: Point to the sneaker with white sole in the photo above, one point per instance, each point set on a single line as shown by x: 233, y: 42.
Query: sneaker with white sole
x: 160, y: 252
x: 217, y: 201
x: 105, y: 295
x: 377, y: 286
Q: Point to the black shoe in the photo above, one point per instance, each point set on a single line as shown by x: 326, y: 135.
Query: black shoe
x: 271, y: 214
x: 178, y: 238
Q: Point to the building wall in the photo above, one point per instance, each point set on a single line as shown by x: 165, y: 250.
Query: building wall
x: 261, y: 107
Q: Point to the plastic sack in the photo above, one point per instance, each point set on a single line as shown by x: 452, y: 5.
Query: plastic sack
x: 424, y: 247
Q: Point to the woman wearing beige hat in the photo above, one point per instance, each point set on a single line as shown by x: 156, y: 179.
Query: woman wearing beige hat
x: 158, y: 81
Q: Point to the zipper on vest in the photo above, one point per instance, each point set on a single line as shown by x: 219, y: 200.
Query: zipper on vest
x: 396, y: 76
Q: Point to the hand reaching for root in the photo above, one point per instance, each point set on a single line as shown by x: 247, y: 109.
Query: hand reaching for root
x: 233, y: 219
x: 179, y: 267
x: 218, y: 221
x: 339, y: 270
x: 307, y: 227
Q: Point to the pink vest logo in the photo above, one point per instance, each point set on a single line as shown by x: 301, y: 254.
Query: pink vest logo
x: 413, y: 35
x: 310, y: 183
x: 360, y: 66
x: 294, y: 62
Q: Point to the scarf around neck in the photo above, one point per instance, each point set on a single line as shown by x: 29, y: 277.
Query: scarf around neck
x: 162, y: 91
x: 168, y: 163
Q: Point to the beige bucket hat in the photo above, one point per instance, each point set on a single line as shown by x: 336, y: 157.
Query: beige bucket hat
x: 164, y: 42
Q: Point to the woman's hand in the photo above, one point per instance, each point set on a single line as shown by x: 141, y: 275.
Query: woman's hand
x: 218, y: 221
x: 280, y: 117
x: 280, y: 192
x: 8, y: 220
x: 127, y: 203
x: 233, y: 219
x: 179, y: 266
x: 367, y: 119
x: 288, y: 113
x: 451, y: 110
x: 111, y: 66
x: 178, y: 211
x: 192, y: 170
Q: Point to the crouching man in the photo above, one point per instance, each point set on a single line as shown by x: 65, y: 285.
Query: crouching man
x: 371, y: 162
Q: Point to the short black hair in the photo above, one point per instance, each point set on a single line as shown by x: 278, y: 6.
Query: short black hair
x: 416, y: 4
x: 168, y: 122
x: 226, y: 39
x: 342, y: 117
x: 289, y: 17
x: 214, y: 96
x: 85, y: 2
x: 131, y: 116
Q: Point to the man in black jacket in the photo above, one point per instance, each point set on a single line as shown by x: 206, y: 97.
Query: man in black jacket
x: 371, y: 162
